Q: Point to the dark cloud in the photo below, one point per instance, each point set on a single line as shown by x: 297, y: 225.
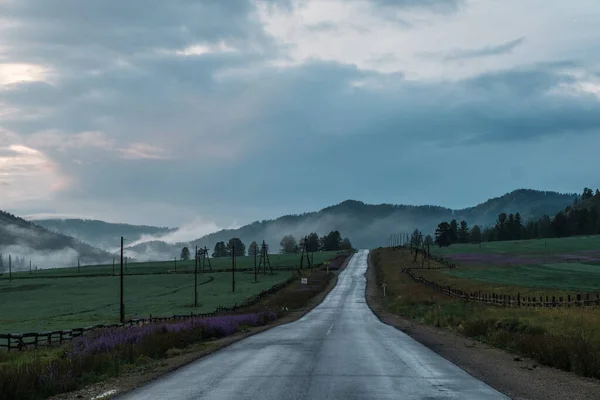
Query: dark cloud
x: 67, y: 34
x: 494, y: 50
x: 265, y: 141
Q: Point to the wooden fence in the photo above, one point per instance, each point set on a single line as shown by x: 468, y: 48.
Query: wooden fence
x: 504, y: 300
x: 23, y: 341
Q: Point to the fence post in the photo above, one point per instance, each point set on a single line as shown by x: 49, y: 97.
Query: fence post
x: 519, y: 299
x: 553, y: 301
x: 578, y: 300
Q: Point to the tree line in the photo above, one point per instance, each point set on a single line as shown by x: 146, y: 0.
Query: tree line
x: 333, y: 241
x: 16, y: 263
x: 582, y: 218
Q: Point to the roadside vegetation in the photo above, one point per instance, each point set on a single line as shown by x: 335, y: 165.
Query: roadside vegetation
x: 566, y: 338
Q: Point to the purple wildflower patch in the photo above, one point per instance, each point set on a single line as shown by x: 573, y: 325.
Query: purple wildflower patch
x: 106, y: 340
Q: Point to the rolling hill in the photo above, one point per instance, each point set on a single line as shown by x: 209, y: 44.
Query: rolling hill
x: 104, y: 235
x: 369, y: 225
x: 24, y: 239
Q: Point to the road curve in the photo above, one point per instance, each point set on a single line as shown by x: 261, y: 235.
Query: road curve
x: 339, y: 350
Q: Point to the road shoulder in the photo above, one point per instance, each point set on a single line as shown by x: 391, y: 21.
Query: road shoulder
x: 517, y: 377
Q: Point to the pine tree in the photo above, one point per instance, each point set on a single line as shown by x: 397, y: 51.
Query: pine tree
x: 463, y: 232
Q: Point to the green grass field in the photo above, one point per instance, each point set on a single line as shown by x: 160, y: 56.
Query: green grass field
x: 537, y: 267
x: 277, y: 260
x: 560, y: 276
x: 533, y: 246
x: 36, y: 305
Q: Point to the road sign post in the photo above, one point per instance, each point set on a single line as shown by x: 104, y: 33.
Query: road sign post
x: 384, y: 285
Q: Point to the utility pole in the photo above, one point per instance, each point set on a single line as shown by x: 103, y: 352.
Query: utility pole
x: 233, y: 266
x: 113, y: 266
x: 196, y: 278
x: 207, y: 259
x: 9, y: 268
x: 78, y: 265
x: 122, y: 303
x: 29, y: 267
x: 255, y: 251
x: 175, y: 261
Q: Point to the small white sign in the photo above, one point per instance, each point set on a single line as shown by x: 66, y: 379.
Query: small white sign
x: 304, y: 281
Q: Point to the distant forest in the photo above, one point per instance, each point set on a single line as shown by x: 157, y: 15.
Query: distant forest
x: 581, y: 218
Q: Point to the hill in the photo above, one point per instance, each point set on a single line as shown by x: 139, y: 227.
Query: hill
x: 104, y: 235
x: 23, y: 239
x: 369, y: 225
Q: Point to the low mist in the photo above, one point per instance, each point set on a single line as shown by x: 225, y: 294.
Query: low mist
x: 43, y: 259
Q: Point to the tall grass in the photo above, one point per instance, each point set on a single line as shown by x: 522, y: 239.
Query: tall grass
x: 568, y: 339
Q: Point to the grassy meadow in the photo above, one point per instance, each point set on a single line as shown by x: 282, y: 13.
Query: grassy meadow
x: 569, y: 246
x: 37, y: 305
x: 538, y: 267
x: 277, y: 260
x: 566, y: 338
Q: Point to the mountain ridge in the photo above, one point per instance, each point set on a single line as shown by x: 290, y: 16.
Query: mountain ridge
x: 367, y: 225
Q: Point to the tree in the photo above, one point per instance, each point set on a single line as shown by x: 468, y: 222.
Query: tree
x: 313, y: 244
x: 253, y: 249
x: 501, y: 226
x: 475, y: 236
x: 288, y: 245
x: 240, y: 247
x: 428, y: 240
x: 346, y: 244
x: 560, y: 225
x: 518, y: 232
x: 332, y: 241
x: 220, y: 250
x: 453, y: 231
x: 443, y: 235
x: 587, y: 194
x: 2, y: 267
x: 510, y: 227
x: 416, y: 239
x: 463, y: 232
x: 185, y: 253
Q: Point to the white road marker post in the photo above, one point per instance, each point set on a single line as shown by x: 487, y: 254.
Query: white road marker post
x: 383, y: 285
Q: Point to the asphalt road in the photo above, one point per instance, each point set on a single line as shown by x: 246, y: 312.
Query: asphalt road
x: 339, y: 350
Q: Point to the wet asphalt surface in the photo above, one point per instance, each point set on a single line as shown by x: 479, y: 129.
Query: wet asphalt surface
x: 339, y: 350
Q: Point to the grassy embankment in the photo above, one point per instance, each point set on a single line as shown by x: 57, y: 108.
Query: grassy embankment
x: 111, y: 352
x: 568, y: 338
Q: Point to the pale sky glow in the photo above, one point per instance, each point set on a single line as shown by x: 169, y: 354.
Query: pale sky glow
x: 15, y: 73
x: 226, y: 112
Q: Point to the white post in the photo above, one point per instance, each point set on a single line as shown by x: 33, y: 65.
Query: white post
x: 384, y: 285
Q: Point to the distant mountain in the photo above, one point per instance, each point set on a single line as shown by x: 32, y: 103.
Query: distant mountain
x: 369, y: 225
x: 104, y: 235
x: 23, y: 239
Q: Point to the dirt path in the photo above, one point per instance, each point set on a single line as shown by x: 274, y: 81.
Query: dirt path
x: 145, y: 373
x: 518, y: 377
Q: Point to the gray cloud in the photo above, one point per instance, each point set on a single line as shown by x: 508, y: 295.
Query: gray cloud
x: 493, y: 50
x: 262, y: 141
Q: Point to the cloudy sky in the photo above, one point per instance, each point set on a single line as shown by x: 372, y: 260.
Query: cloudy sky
x: 228, y: 111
